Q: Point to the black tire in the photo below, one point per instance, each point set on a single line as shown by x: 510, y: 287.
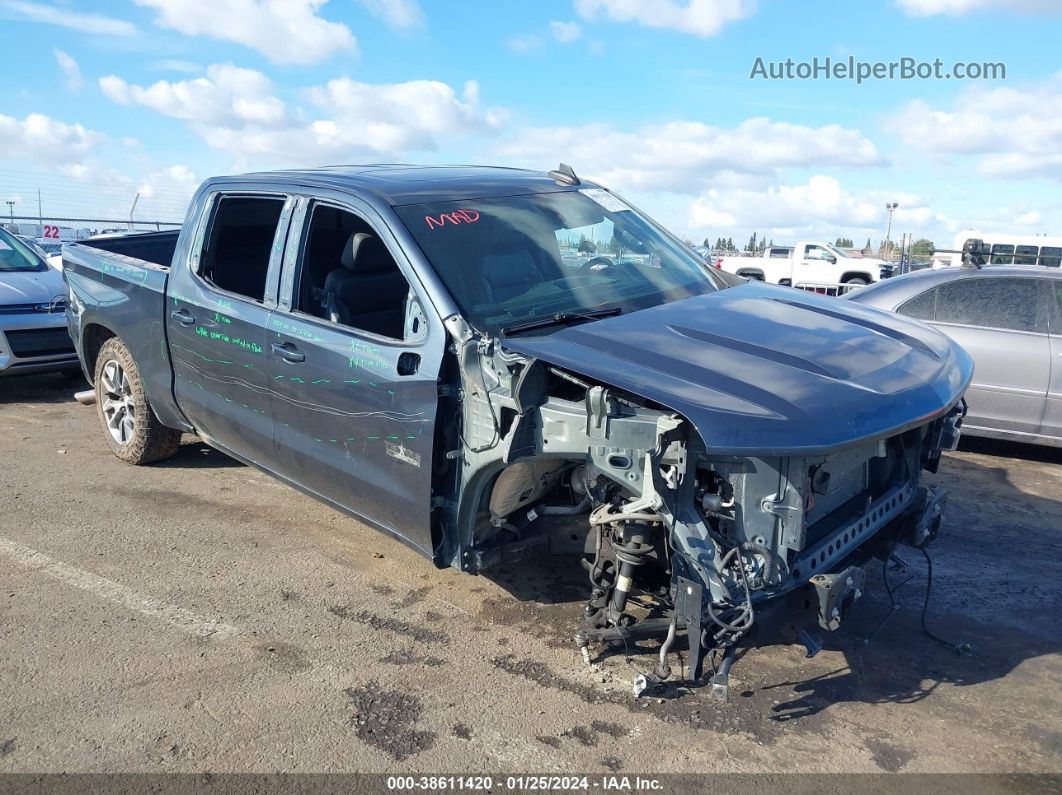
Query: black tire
x: 858, y: 280
x: 130, y: 426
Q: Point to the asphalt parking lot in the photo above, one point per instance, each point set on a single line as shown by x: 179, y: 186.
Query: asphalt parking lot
x: 197, y: 615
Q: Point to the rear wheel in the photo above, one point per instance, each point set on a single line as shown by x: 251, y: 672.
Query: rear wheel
x: 130, y: 427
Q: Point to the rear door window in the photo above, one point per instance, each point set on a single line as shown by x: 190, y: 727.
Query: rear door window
x: 921, y: 307
x: 239, y: 243
x: 999, y: 303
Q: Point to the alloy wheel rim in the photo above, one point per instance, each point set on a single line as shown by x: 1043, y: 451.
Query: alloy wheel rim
x: 119, y: 408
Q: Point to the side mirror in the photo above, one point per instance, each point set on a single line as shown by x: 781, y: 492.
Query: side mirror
x: 831, y: 259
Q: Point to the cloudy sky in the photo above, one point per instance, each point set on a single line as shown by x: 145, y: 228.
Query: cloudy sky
x: 100, y: 101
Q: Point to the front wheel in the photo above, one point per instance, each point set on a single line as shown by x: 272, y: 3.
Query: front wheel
x: 857, y: 281
x: 130, y: 427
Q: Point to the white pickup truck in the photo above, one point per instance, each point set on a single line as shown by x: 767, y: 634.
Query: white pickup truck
x: 810, y: 263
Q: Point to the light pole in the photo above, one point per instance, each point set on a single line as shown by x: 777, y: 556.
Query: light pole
x: 11, y: 211
x: 890, y: 206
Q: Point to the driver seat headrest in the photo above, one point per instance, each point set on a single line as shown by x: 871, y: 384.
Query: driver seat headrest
x: 350, y: 251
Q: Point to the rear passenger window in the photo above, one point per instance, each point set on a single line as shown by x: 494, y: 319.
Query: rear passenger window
x: 1001, y: 254
x: 921, y: 307
x: 990, y: 303
x: 239, y: 243
x: 1051, y: 256
x: 1026, y: 255
x: 348, y: 276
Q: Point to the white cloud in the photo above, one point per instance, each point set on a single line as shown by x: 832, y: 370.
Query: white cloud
x: 564, y: 32
x: 43, y: 139
x: 228, y: 95
x: 924, y: 8
x: 396, y: 13
x: 686, y: 157
x: 525, y: 44
x: 71, y: 71
x: 1012, y: 132
x: 95, y: 24
x: 699, y: 17
x: 234, y: 110
x: 284, y: 31
x: 821, y: 205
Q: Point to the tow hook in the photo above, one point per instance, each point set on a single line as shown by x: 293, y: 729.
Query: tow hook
x: 86, y: 397
x: 837, y: 593
x: 926, y: 527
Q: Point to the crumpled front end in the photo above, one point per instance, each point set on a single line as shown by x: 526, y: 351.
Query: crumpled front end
x: 674, y: 536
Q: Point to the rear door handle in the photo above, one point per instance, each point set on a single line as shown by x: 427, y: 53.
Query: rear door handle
x: 183, y: 316
x: 288, y: 352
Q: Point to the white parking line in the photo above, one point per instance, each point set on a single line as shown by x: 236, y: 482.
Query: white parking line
x: 115, y: 592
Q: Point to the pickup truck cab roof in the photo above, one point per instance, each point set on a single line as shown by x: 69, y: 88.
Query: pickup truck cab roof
x: 399, y: 184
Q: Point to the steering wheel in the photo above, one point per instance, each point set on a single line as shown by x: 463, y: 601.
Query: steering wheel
x: 601, y: 262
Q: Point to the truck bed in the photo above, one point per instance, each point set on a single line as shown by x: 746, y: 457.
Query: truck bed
x: 119, y: 284
x: 154, y: 247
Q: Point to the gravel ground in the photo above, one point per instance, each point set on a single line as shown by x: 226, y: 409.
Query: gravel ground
x: 198, y: 615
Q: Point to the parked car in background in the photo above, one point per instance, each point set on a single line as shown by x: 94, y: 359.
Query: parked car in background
x: 1006, y: 248
x: 33, y: 334
x: 811, y: 263
x: 48, y: 250
x: 1010, y: 320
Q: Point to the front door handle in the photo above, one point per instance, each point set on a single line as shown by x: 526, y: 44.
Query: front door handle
x: 288, y: 352
x: 183, y: 316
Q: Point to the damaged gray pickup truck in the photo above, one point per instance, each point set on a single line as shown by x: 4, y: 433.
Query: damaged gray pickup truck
x: 492, y: 364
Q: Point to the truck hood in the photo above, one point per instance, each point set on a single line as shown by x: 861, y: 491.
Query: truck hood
x: 30, y: 287
x: 769, y: 370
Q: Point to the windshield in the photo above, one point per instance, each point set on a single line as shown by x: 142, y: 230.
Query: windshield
x: 507, y: 261
x: 17, y: 256
x: 836, y: 251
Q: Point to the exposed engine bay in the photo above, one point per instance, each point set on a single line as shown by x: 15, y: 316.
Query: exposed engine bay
x: 676, y: 539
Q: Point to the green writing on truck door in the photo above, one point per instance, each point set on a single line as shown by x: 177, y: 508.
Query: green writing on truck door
x: 221, y: 336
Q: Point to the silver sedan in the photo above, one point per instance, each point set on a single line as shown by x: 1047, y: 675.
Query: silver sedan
x: 1009, y: 318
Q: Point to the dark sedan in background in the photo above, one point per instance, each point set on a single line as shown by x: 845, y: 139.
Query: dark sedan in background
x: 1010, y: 321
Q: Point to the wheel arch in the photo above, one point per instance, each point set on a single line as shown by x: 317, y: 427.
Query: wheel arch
x: 92, y: 338
x: 857, y: 275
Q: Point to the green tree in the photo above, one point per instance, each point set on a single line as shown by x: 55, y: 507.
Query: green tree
x: 922, y: 247
x: 752, y: 243
x: 730, y: 244
x: 586, y: 246
x: 706, y: 244
x: 844, y: 242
